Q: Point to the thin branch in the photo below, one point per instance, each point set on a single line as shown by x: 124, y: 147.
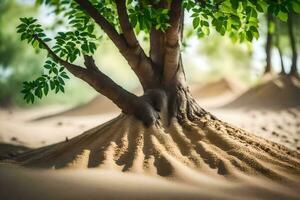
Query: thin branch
x: 104, y: 24
x: 135, y: 57
x: 98, y: 80
x: 125, y: 24
x: 74, y: 69
x: 89, y: 62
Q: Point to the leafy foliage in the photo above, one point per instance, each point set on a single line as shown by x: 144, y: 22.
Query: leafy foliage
x: 54, y: 74
x: 237, y: 18
x: 53, y: 79
x: 145, y: 17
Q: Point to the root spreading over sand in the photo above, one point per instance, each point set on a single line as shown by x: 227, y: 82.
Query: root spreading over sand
x: 179, y: 151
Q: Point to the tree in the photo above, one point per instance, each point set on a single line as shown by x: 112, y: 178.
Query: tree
x: 17, y: 62
x: 270, y: 30
x: 277, y: 44
x: 294, y: 70
x: 167, y: 108
x: 280, y: 30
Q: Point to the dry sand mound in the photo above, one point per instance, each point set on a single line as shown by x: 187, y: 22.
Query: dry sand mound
x: 104, y: 184
x: 98, y: 105
x: 278, y: 93
x: 180, y: 152
x: 221, y: 87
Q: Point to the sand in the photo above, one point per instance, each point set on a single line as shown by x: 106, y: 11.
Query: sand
x: 122, y: 160
x: 17, y: 183
x: 280, y: 126
x: 210, y: 151
x: 181, y: 165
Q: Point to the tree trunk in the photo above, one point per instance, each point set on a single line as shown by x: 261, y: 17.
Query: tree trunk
x: 268, y: 67
x: 294, y: 71
x: 282, y: 72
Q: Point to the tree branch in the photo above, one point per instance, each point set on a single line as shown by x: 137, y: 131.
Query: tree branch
x: 98, y: 80
x: 173, y: 37
x: 74, y: 69
x: 104, y: 24
x: 125, y: 24
x: 135, y: 57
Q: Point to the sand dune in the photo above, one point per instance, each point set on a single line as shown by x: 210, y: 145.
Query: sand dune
x: 97, y: 106
x: 220, y: 87
x: 277, y: 93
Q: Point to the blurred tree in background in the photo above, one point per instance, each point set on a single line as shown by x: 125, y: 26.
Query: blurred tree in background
x: 18, y: 62
x: 282, y: 44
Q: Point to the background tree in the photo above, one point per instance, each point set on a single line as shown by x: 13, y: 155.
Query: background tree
x: 294, y: 70
x: 278, y: 46
x: 269, y: 43
x: 17, y: 62
x: 283, y: 36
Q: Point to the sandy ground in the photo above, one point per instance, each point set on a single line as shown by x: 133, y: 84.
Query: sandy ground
x: 92, y: 184
x: 23, y: 129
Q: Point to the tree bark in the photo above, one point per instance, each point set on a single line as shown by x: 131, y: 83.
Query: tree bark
x: 294, y: 71
x: 172, y: 43
x: 268, y: 67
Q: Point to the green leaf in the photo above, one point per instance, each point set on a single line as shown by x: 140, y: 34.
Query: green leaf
x: 46, y: 89
x: 64, y: 75
x: 196, y: 22
x: 234, y: 3
x: 271, y: 27
x: 52, y: 85
x: 296, y: 6
x: 46, y: 39
x: 35, y: 43
x: 249, y: 35
x: 282, y: 16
